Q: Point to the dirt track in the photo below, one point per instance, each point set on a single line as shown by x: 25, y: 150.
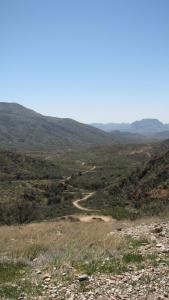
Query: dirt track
x: 95, y: 218
x: 89, y: 218
x: 77, y: 205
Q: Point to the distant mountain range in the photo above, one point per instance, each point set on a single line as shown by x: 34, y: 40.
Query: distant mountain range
x: 145, y: 127
x: 22, y: 128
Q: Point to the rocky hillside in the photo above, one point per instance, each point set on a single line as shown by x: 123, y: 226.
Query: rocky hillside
x: 25, y: 129
x: 142, y: 190
x: 147, y: 190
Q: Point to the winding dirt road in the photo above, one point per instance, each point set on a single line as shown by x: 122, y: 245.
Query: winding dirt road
x: 90, y: 170
x: 89, y: 218
x: 77, y: 205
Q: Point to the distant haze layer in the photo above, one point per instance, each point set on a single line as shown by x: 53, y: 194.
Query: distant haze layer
x: 144, y: 126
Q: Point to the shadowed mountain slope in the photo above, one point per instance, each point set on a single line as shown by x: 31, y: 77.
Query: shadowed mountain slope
x: 25, y: 129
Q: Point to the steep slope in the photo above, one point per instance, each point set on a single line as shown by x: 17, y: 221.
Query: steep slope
x: 133, y: 184
x: 23, y: 128
x: 147, y: 191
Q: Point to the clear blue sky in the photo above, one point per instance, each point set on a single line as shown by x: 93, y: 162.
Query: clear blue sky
x: 91, y: 60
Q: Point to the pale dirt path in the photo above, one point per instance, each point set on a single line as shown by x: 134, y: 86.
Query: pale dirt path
x: 95, y: 218
x: 90, y: 170
x: 145, y: 150
x: 77, y: 205
x: 85, y: 218
x: 84, y: 172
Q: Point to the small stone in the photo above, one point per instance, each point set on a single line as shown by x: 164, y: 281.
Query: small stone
x: 158, y: 229
x: 46, y: 276
x: 130, y: 268
x: 21, y: 297
x: 83, y: 277
x: 47, y: 279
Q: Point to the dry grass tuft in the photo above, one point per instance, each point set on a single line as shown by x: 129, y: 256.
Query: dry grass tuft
x: 64, y: 242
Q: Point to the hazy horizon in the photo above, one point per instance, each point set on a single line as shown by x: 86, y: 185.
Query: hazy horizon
x: 93, y: 122
x: 92, y: 61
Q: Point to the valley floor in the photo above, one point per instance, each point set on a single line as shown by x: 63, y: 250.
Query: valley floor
x: 78, y: 261
x: 85, y: 253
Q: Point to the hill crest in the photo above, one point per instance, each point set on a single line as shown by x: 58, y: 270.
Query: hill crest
x: 23, y: 128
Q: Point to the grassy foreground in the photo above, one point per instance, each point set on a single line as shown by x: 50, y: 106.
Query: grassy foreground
x: 58, y: 247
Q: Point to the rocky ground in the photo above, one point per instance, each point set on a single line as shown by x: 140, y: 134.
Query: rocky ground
x: 143, y: 271
x: 150, y: 280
